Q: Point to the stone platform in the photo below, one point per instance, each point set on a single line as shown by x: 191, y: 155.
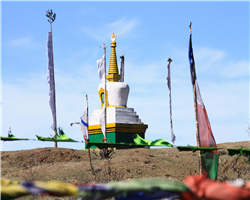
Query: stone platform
x: 122, y: 124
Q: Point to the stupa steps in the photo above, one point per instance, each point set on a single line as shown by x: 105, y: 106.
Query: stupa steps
x: 116, y: 115
x: 123, y: 118
x: 124, y: 111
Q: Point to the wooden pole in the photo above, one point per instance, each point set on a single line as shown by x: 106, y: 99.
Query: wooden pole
x: 90, y: 162
x: 197, y: 128
x: 54, y: 96
x: 105, y: 99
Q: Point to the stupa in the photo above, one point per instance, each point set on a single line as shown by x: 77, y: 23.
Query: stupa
x: 122, y: 122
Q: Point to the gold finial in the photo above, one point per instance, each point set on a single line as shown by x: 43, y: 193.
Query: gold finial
x: 113, y: 69
x: 113, y: 37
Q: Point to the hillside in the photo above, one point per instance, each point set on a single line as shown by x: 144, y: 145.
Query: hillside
x: 72, y: 166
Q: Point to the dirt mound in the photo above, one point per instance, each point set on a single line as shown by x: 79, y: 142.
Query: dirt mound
x: 232, y: 145
x: 41, y: 156
x: 72, y: 166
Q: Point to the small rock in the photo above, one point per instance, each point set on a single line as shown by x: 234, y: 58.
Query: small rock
x: 98, y: 170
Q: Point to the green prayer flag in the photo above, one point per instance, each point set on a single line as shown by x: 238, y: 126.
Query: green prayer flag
x: 149, y: 185
x: 140, y: 141
x: 194, y: 148
x: 232, y: 152
x: 60, y: 138
x: 12, y: 138
x: 40, y: 138
x: 209, y: 159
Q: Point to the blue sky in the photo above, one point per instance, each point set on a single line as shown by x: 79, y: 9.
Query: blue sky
x: 148, y: 33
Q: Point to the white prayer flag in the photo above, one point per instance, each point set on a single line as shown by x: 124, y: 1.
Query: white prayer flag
x: 101, y: 68
x: 51, y: 81
x: 169, y: 78
x: 84, y: 123
x: 173, y: 138
x: 103, y: 118
x: 122, y: 69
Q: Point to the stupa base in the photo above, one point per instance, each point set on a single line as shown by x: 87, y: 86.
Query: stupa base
x: 117, y: 133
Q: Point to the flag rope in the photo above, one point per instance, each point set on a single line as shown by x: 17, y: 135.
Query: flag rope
x: 192, y: 187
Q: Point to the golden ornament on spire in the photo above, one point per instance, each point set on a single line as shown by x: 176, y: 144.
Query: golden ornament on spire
x: 113, y: 37
x: 113, y: 75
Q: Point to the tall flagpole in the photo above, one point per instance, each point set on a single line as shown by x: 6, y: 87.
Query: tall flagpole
x: 90, y: 161
x: 196, y: 115
x: 105, y: 100
x: 87, y: 114
x: 51, y: 19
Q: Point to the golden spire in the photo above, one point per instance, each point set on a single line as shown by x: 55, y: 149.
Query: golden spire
x: 113, y: 69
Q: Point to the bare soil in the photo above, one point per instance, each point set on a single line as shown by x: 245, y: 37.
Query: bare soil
x: 72, y: 166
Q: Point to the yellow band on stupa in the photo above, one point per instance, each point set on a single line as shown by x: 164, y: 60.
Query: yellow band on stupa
x: 113, y: 75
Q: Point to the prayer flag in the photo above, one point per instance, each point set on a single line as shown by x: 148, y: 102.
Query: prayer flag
x: 84, y: 123
x: 101, y: 68
x: 103, y: 119
x: 191, y: 61
x: 209, y: 160
x: 173, y: 138
x: 51, y: 82
x: 205, y: 130
x: 122, y: 69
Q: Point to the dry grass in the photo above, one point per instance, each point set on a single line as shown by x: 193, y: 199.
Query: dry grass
x: 72, y: 166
